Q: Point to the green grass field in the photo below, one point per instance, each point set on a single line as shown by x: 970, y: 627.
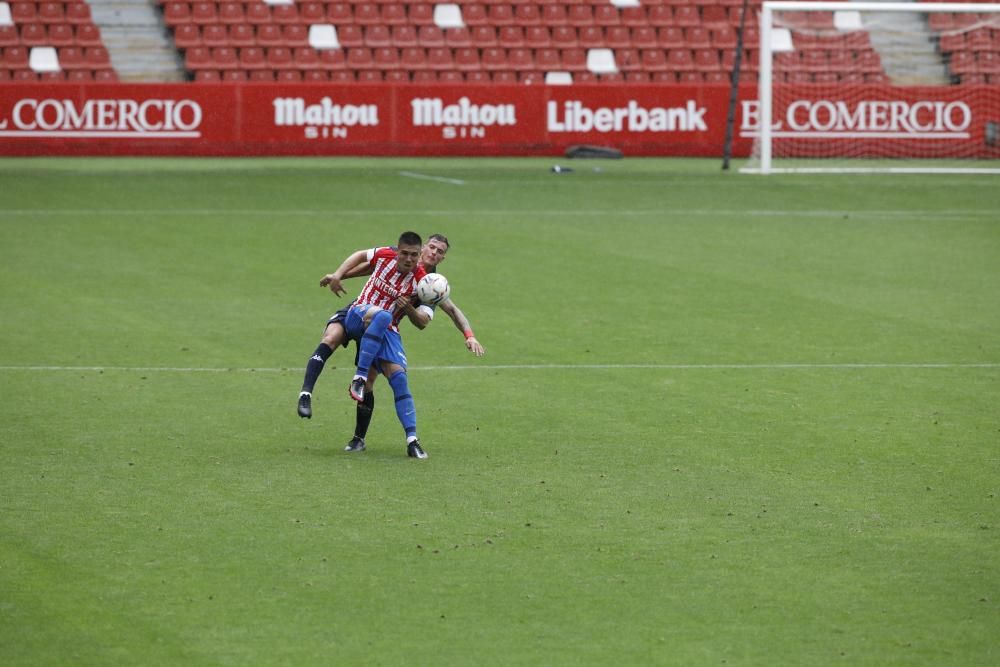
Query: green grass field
x: 722, y: 419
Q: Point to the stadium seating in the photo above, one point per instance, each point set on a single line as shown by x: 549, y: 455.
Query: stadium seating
x: 473, y: 41
x: 51, y: 41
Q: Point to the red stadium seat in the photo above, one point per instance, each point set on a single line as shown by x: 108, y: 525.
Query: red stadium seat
x: 404, y: 36
x: 458, y: 38
x: 494, y: 59
x: 521, y: 59
x: 475, y: 15
x: 204, y: 13
x: 312, y: 12
x: 527, y: 15
x: 367, y: 13
x: 79, y: 75
x: 485, y: 36
x: 23, y: 12
x: 339, y: 14
x: 187, y: 35
x: 258, y: 13
x: 574, y: 60
x: 386, y: 58
x: 580, y: 15
x: 511, y: 36
x: 224, y: 57
x: 394, y: 14
x: 605, y: 15
x: 377, y: 36
x: 537, y: 37
x: 439, y: 58
x: 548, y: 60
x: 51, y: 12
x: 242, y: 34
x: 644, y: 37
x: 430, y: 36
x: 500, y: 15
x: 9, y: 36
x: 591, y: 36
x: 413, y: 59
x: 71, y: 58
x: 350, y: 36
x: 696, y: 37
x: 279, y: 57
x: 78, y: 13
x: 686, y: 16
x: 199, y: 57
x: 61, y: 34
x: 467, y: 59
x: 269, y: 34
x: 306, y: 58
x: 628, y: 60
x: 421, y: 14
x: 671, y: 37
x: 88, y: 34
x: 285, y: 14
x: 554, y: 15
x: 564, y: 37
x: 252, y: 58
x: 331, y: 60
x: 215, y: 35
x: 207, y: 76
x: 231, y: 13
x: 359, y: 58
x: 34, y: 34
x: 661, y: 16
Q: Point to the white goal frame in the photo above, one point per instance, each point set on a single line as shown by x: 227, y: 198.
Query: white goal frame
x: 766, y: 81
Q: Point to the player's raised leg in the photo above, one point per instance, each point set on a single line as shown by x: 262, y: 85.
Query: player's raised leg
x: 371, y: 341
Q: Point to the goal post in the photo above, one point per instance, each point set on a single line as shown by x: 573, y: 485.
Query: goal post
x: 876, y: 87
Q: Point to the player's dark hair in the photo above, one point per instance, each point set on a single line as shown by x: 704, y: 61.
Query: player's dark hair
x: 410, y: 238
x: 440, y: 237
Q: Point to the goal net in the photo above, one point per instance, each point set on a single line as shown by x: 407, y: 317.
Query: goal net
x: 876, y: 86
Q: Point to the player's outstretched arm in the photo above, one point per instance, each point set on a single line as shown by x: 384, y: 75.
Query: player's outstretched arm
x: 462, y: 324
x: 333, y: 280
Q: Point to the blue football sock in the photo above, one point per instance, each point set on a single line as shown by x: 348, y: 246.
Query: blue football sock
x: 405, y: 409
x: 371, y: 341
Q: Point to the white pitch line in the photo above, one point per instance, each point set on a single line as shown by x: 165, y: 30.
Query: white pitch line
x: 426, y: 177
x: 515, y: 367
x: 601, y: 213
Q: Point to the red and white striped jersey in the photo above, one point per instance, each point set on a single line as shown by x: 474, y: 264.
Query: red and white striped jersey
x: 386, y: 283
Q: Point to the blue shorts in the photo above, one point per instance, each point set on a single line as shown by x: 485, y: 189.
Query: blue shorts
x: 392, y: 345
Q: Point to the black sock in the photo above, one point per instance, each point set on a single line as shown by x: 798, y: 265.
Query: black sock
x: 363, y: 416
x: 315, y: 366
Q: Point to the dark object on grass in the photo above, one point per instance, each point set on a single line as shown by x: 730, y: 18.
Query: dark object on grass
x: 594, y: 152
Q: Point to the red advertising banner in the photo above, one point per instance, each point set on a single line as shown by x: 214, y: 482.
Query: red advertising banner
x: 408, y: 119
x: 880, y: 121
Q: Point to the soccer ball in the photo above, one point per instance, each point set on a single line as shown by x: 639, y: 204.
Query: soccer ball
x: 433, y: 289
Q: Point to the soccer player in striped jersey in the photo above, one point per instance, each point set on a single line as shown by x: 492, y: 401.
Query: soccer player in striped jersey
x: 431, y: 255
x: 373, y: 320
